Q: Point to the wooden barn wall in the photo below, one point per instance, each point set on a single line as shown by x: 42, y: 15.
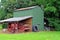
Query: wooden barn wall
x: 29, y: 22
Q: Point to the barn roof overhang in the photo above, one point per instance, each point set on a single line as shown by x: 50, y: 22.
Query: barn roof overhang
x: 15, y: 19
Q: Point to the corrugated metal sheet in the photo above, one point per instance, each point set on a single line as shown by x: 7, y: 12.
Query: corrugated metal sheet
x: 16, y: 19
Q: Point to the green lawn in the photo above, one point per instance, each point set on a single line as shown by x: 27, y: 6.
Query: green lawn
x: 32, y: 36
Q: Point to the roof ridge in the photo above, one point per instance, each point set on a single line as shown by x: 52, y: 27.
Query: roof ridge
x: 26, y: 8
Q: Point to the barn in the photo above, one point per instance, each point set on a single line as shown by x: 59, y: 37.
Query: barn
x: 28, y: 17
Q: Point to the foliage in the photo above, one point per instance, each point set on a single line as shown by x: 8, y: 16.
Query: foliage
x: 54, y: 22
x: 50, y: 9
x: 2, y: 14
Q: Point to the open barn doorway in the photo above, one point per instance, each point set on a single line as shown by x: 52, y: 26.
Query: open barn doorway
x: 20, y: 26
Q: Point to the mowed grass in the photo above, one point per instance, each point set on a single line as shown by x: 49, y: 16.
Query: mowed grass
x: 32, y: 36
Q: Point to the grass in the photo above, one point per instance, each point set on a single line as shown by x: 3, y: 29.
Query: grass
x: 32, y: 36
x: 0, y: 26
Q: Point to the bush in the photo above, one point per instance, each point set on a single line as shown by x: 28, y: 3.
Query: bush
x: 54, y: 22
x: 4, y: 25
